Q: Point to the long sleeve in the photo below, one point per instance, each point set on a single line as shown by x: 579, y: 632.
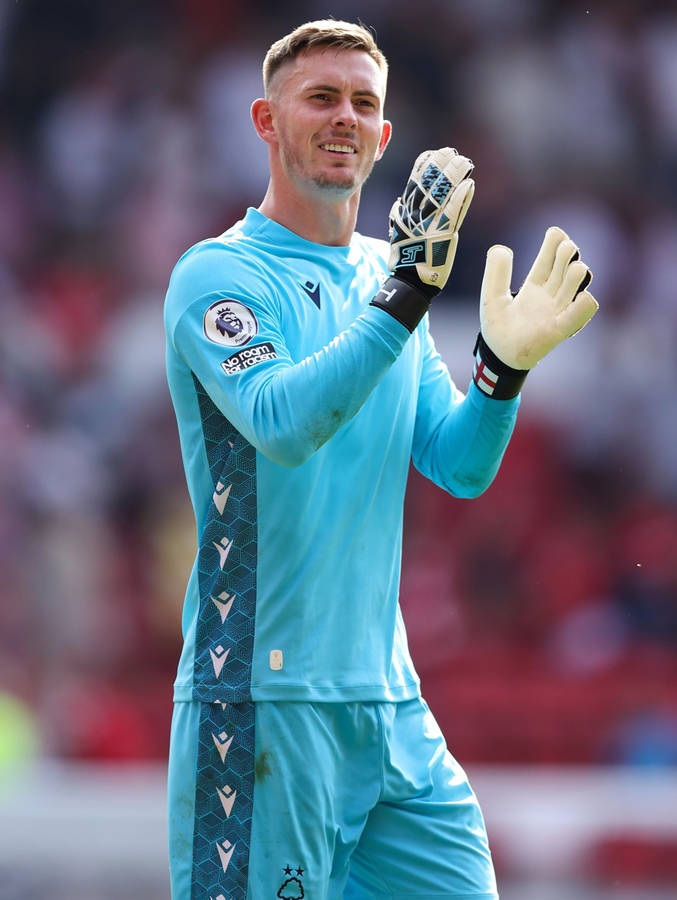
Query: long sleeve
x: 459, y: 440
x: 286, y: 409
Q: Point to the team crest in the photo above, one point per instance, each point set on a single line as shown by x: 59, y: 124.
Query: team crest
x: 230, y: 323
x: 292, y: 887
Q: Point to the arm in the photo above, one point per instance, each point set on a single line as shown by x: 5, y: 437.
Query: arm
x: 287, y: 410
x: 459, y: 441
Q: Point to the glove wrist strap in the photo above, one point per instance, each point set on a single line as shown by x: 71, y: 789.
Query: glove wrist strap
x: 493, y: 377
x: 405, y: 303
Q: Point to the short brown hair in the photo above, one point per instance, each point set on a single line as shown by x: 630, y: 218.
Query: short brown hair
x: 321, y: 33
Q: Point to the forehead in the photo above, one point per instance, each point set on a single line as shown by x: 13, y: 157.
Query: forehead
x: 349, y: 71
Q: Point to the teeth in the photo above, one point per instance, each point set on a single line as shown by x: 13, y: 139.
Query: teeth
x: 339, y: 148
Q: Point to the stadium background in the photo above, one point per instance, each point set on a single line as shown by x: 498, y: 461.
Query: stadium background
x: 543, y: 616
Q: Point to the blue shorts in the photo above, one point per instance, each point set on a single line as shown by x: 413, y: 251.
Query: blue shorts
x: 322, y: 801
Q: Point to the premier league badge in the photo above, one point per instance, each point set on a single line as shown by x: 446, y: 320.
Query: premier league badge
x: 230, y: 323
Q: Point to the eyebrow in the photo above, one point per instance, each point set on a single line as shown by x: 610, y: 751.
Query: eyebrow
x: 328, y: 88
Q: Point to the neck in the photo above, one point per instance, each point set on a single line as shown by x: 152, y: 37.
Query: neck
x: 315, y: 217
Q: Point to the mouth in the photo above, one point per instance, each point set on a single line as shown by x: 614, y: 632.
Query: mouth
x: 338, y: 148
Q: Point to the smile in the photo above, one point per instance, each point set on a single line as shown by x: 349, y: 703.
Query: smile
x: 338, y: 148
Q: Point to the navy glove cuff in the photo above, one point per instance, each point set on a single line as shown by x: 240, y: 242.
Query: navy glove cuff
x: 404, y: 302
x: 493, y: 377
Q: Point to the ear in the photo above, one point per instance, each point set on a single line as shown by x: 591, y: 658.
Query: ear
x: 262, y: 117
x: 386, y: 133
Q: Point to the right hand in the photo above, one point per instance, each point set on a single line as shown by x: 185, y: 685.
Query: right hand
x: 424, y: 221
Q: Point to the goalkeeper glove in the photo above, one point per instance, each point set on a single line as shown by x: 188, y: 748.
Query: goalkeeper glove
x: 424, y: 225
x: 518, y: 331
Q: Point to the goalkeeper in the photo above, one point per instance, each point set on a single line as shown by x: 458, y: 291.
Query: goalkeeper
x: 303, y: 759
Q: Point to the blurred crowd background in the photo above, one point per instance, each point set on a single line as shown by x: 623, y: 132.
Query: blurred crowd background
x: 542, y: 616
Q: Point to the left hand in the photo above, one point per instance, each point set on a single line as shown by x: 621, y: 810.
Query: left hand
x: 552, y: 304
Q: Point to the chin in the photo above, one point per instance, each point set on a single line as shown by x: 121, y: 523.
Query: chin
x: 336, y: 187
x: 339, y: 184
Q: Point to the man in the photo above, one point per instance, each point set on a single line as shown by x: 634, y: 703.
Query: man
x: 304, y: 762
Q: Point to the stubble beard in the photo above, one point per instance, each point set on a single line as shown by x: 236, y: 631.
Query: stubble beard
x: 336, y: 186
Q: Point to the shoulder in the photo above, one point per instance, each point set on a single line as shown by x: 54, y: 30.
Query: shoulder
x: 227, y: 265
x: 231, y: 255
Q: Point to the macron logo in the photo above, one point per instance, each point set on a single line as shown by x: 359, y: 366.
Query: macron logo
x: 224, y: 549
x: 227, y: 797
x: 313, y: 290
x: 222, y: 743
x: 219, y: 657
x: 223, y: 604
x: 220, y: 497
x: 225, y: 852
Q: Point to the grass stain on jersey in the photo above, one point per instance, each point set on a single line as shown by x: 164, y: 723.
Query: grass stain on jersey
x: 261, y: 766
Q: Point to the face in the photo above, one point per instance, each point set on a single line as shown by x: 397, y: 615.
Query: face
x: 327, y: 113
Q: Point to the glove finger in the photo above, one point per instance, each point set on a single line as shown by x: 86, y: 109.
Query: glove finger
x: 410, y: 206
x: 441, y: 171
x: 428, y: 167
x: 566, y: 252
x: 396, y: 227
x: 421, y: 164
x: 439, y: 158
x: 434, y: 180
x: 586, y: 281
x: 467, y: 196
x: 456, y: 207
x: 437, y: 187
x: 577, y: 314
x: 445, y: 154
x: 457, y: 168
x: 574, y: 276
x: 497, y: 273
x: 545, y: 258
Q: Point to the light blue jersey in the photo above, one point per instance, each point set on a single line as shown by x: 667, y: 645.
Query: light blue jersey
x: 299, y: 409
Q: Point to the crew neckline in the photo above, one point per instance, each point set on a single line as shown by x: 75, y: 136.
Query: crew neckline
x: 255, y: 220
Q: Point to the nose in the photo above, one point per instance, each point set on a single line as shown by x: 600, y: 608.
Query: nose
x: 344, y: 114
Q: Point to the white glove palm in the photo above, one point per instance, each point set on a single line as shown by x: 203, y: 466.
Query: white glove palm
x: 424, y: 221
x: 551, y: 305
